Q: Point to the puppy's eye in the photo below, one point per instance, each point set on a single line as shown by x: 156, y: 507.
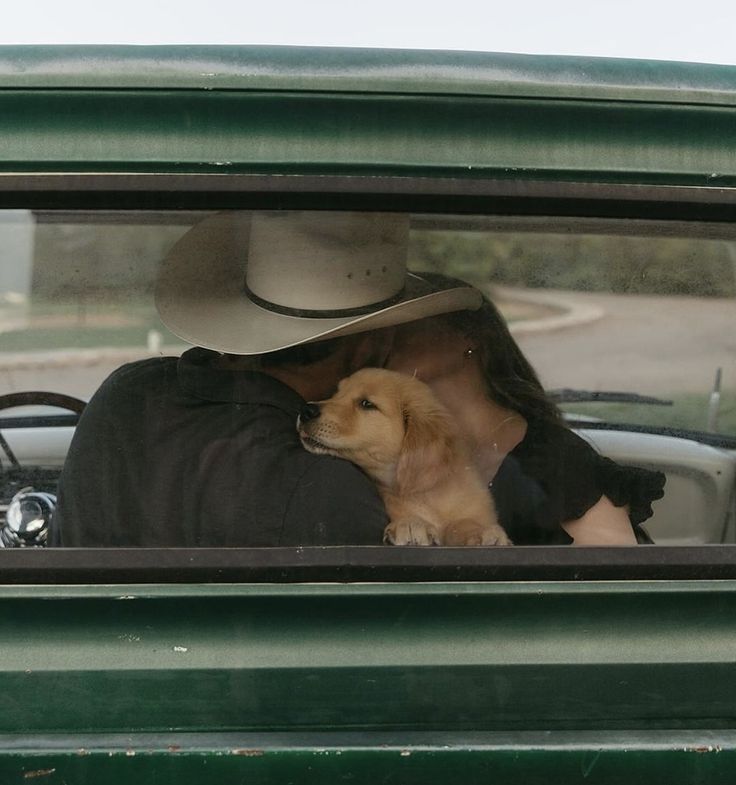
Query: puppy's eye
x: 366, y: 404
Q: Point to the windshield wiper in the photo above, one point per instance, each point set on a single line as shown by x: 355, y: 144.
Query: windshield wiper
x: 567, y: 395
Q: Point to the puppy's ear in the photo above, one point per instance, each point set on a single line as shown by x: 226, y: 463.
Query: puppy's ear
x: 429, y: 447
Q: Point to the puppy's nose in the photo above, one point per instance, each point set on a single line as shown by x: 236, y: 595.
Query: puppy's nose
x: 310, y: 411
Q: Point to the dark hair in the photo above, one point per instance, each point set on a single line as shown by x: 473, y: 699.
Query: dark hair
x: 510, y: 379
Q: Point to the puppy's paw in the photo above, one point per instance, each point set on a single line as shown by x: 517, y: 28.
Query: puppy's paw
x: 469, y: 532
x: 411, y: 531
x: 495, y: 536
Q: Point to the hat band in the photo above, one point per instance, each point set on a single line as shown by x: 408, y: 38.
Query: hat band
x: 321, y: 313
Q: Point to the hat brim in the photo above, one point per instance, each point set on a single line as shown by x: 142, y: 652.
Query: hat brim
x: 201, y: 297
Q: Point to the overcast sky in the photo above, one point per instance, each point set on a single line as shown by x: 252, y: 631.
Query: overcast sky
x: 702, y: 31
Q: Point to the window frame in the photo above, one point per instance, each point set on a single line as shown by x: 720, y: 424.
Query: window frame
x: 366, y: 564
x: 439, y: 195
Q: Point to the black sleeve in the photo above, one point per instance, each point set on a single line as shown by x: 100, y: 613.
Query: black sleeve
x: 334, y: 503
x: 588, y: 476
x: 631, y: 485
x: 578, y: 477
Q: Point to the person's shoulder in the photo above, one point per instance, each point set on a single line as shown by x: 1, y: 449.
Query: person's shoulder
x: 122, y: 394
x: 559, y: 458
x: 333, y: 503
x: 141, y: 369
x: 328, y: 480
x: 138, y: 375
x: 339, y: 474
x: 555, y: 438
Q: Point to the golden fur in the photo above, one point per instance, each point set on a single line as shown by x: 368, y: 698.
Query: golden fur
x: 393, y: 427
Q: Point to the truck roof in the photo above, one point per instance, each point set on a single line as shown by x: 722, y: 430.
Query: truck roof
x: 418, y: 72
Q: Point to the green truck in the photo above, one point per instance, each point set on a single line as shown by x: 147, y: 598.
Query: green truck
x: 594, y: 200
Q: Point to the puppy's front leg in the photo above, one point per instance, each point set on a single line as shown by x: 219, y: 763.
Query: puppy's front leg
x: 469, y: 532
x: 411, y: 531
x: 495, y: 535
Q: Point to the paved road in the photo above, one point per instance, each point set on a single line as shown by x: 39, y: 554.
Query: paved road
x: 604, y: 342
x: 72, y: 373
x: 639, y: 343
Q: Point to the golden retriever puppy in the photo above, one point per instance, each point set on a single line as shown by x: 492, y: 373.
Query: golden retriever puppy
x: 392, y: 426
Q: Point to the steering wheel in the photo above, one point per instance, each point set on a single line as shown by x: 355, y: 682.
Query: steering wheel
x: 28, y: 513
x: 36, y: 398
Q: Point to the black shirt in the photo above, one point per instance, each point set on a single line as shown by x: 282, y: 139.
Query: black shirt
x: 176, y: 452
x: 553, y: 476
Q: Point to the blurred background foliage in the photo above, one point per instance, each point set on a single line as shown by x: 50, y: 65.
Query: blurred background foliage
x: 595, y: 263
x: 100, y: 262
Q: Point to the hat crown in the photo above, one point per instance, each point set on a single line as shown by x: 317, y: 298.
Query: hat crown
x: 218, y: 289
x: 311, y: 261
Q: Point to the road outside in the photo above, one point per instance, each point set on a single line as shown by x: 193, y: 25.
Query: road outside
x: 647, y: 344
x: 651, y: 345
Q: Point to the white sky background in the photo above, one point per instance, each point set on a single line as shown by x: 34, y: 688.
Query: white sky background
x: 703, y: 31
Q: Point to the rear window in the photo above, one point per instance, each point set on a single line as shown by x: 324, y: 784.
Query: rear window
x: 627, y: 325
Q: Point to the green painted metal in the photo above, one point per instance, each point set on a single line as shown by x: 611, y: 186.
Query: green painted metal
x: 489, y: 657
x: 384, y: 71
x: 425, y: 683
x: 497, y: 682
x: 534, y: 758
x: 323, y: 111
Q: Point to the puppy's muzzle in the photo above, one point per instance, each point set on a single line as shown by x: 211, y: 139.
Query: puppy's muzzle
x: 310, y: 411
x: 307, y: 423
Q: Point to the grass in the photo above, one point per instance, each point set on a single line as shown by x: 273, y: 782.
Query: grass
x: 50, y: 339
x: 56, y: 326
x: 689, y: 411
x: 51, y: 326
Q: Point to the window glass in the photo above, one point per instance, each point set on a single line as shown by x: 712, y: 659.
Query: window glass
x: 77, y: 295
x: 626, y: 312
x: 628, y: 327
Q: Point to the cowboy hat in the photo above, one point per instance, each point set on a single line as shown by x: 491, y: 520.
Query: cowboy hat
x: 250, y: 283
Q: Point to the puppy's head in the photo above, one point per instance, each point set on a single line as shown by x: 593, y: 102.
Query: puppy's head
x: 387, y: 423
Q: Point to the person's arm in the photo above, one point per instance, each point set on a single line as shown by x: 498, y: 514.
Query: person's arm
x: 602, y: 524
